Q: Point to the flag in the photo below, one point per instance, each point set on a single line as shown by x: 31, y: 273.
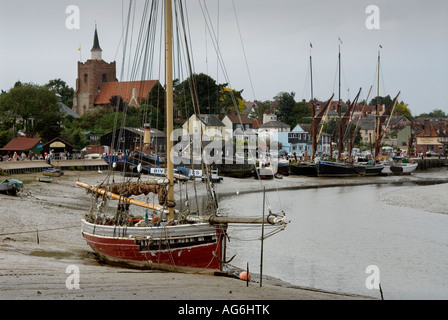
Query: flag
x: 311, y: 45
x: 381, y: 47
x: 340, y: 40
x: 79, y: 49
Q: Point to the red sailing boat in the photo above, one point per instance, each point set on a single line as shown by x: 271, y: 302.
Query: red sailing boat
x: 160, y: 237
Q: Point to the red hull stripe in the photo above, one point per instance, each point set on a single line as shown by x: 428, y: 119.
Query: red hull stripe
x: 129, y: 252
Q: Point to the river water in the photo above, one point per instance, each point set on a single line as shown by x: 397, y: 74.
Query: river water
x: 336, y: 233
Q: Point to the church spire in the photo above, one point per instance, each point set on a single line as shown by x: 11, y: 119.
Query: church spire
x: 96, y: 49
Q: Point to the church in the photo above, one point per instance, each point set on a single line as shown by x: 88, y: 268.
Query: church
x: 97, y: 83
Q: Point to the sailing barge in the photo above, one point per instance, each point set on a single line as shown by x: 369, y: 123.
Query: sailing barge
x: 165, y: 238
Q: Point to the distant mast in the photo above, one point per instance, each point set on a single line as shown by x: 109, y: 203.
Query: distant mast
x: 311, y: 71
x: 377, y: 99
x: 340, y: 132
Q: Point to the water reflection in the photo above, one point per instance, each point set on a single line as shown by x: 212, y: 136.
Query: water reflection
x: 336, y: 233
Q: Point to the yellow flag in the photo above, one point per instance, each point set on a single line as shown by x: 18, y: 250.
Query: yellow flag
x: 79, y: 49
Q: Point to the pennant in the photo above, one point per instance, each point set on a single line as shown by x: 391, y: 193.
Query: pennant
x: 381, y: 47
x: 79, y: 49
x: 311, y: 45
x: 340, y: 40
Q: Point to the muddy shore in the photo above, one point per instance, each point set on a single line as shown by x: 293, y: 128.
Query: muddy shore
x: 40, y: 235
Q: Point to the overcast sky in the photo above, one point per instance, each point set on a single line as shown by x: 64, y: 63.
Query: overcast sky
x: 36, y: 45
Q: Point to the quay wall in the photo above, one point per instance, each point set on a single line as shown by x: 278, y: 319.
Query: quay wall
x: 28, y: 166
x: 428, y: 163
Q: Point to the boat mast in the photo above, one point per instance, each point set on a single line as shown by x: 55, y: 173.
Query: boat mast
x: 377, y: 102
x: 169, y: 105
x: 340, y: 128
x: 311, y: 72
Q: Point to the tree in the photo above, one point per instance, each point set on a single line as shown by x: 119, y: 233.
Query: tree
x: 402, y: 109
x: 286, y: 107
x: 436, y: 113
x: 302, y: 113
x: 260, y: 110
x: 32, y: 108
x: 63, y: 89
x: 331, y: 127
x: 153, y: 108
x: 387, y: 100
x: 207, y: 92
x: 229, y: 100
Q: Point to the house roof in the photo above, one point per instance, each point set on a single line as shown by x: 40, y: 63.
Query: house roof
x: 141, y: 131
x: 57, y: 139
x: 428, y: 132
x: 21, y: 144
x: 274, y: 124
x: 237, y: 119
x: 307, y: 128
x: 256, y: 123
x: 124, y: 90
x: 67, y: 111
x: 211, y: 120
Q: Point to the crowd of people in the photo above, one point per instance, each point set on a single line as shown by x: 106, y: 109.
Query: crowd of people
x: 15, y: 156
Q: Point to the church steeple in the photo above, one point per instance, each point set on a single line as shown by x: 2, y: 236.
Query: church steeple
x: 96, y: 49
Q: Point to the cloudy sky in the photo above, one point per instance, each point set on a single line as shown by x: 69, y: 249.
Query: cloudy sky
x: 36, y: 45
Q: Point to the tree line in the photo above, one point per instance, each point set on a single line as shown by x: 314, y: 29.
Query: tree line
x: 34, y: 109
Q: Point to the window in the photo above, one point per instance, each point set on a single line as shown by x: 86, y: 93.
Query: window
x: 86, y: 78
x: 104, y: 77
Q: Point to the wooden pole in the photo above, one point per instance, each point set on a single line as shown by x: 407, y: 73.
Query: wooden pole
x: 169, y: 104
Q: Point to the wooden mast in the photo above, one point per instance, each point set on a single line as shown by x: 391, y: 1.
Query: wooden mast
x: 169, y: 105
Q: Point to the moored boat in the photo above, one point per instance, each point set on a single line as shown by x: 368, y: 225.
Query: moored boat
x: 159, y: 236
x: 52, y: 172
x: 336, y: 169
x: 308, y: 169
x: 11, y: 186
x: 373, y: 169
x: 403, y: 168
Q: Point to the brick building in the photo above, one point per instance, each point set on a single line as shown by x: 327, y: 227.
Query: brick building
x: 91, y: 76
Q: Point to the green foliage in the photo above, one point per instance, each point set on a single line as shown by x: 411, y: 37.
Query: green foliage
x: 63, y: 89
x: 387, y: 100
x: 5, y: 137
x: 33, y: 108
x: 286, y: 107
x: 402, y: 109
x: 229, y: 100
x: 260, y: 110
x: 302, y: 113
x: 436, y: 113
x: 212, y: 97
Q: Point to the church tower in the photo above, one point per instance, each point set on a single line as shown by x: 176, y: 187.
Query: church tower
x: 91, y: 76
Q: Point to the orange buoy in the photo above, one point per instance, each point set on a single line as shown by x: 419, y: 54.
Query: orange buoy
x: 244, y: 276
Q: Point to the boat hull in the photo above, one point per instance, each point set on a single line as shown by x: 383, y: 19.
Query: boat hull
x: 304, y: 169
x: 374, y: 170
x: 198, y: 248
x: 264, y: 174
x: 236, y: 170
x: 403, y: 169
x: 334, y: 169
